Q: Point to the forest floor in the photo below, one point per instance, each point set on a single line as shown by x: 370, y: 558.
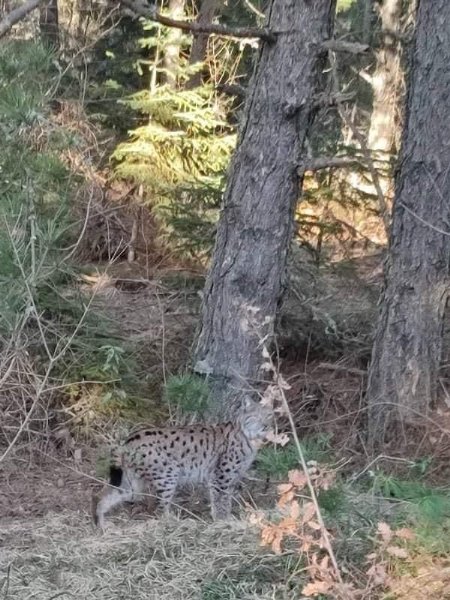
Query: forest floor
x: 135, y: 340
x: 50, y: 549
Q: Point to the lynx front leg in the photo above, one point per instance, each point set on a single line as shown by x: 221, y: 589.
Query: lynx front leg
x: 165, y: 485
x: 221, y: 500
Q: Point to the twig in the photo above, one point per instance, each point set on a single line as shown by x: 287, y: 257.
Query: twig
x: 232, y: 89
x: 378, y: 458
x: 212, y: 29
x: 324, y: 531
x: 32, y: 304
x: 24, y: 423
x: 426, y: 223
x: 337, y: 367
x: 279, y: 384
x: 52, y: 358
x: 331, y: 162
x: 253, y: 8
x: 350, y: 47
x: 17, y: 15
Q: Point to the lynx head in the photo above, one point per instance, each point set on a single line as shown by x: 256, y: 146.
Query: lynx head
x: 255, y: 419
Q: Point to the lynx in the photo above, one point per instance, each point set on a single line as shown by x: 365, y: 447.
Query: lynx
x: 218, y: 455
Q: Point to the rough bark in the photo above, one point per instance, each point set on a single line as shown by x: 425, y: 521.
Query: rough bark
x: 367, y: 8
x: 172, y: 49
x: 207, y: 12
x: 245, y: 282
x: 386, y: 81
x: 49, y: 22
x: 407, y: 350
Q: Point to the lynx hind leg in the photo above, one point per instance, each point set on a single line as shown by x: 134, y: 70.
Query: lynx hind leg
x: 128, y: 491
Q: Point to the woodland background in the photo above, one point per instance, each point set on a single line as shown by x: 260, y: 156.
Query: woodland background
x: 118, y: 132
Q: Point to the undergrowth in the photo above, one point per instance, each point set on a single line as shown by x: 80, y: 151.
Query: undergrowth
x: 59, y: 349
x: 187, y: 396
x: 52, y: 337
x: 276, y: 461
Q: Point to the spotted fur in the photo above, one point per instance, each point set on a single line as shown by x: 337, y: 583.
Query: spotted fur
x: 163, y: 459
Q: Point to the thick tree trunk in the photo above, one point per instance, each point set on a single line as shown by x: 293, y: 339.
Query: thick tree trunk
x: 244, y: 285
x: 407, y: 349
x: 207, y: 12
x: 172, y: 50
x: 386, y: 81
x: 49, y: 22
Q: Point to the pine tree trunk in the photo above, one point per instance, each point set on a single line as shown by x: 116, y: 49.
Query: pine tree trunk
x: 245, y: 282
x: 172, y: 49
x: 407, y: 350
x: 199, y: 48
x: 386, y: 81
x: 49, y: 23
x: 367, y: 8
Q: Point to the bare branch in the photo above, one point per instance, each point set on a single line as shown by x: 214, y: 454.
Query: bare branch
x: 327, y: 99
x: 338, y: 367
x: 342, y: 46
x: 331, y: 162
x: 211, y: 29
x: 232, y: 89
x: 17, y: 15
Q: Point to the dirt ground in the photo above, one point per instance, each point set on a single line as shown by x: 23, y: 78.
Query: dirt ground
x: 48, y: 547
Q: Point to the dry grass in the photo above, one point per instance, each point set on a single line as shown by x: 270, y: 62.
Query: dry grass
x: 61, y: 556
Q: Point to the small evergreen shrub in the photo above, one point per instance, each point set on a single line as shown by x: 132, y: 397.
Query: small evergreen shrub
x: 187, y: 395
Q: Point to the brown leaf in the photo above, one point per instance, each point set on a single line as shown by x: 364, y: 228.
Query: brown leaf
x: 285, y: 499
x: 256, y: 518
x: 315, y: 588
x: 404, y: 534
x: 307, y: 542
x: 268, y: 534
x: 384, y: 531
x: 313, y: 525
x: 297, y: 478
x: 265, y: 352
x: 277, y: 438
x: 284, y: 487
x: 288, y: 525
x: 309, y: 511
x: 378, y: 574
x: 295, y: 510
x: 397, y: 552
x: 276, y: 543
x: 266, y: 367
x: 283, y: 383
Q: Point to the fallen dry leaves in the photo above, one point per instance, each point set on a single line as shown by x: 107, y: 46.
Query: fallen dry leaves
x: 298, y: 528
